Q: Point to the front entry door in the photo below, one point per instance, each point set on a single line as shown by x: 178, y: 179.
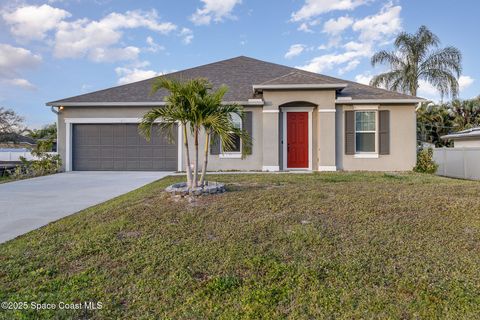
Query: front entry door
x: 297, y: 139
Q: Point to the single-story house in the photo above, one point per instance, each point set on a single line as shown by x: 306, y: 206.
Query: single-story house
x: 469, y: 138
x: 14, y: 140
x: 298, y: 120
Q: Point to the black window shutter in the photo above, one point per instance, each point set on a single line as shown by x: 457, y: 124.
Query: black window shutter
x: 384, y: 131
x: 349, y: 132
x: 247, y: 125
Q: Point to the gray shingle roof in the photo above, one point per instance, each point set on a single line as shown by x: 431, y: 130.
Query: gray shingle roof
x: 239, y: 74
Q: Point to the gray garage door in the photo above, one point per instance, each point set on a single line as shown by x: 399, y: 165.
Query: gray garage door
x: 121, y: 147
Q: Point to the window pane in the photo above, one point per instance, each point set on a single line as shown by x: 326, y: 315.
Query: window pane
x: 236, y: 145
x: 236, y: 120
x: 365, y: 142
x: 365, y: 120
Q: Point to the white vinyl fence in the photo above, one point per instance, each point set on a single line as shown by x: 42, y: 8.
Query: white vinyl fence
x: 463, y: 163
x: 13, y: 156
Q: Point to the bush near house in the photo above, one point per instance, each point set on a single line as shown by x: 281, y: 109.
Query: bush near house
x: 425, y: 163
x: 46, y: 163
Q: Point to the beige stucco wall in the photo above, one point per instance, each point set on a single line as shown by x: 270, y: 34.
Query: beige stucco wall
x: 250, y: 163
x: 327, y: 133
x: 402, y: 155
x: 323, y: 124
x: 466, y: 143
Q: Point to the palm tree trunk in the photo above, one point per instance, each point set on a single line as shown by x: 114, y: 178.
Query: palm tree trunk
x: 187, y: 157
x: 195, y: 172
x: 205, y: 158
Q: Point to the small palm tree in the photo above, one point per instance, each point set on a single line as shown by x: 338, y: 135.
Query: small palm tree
x: 416, y: 58
x: 178, y: 111
x: 217, y: 121
x: 194, y: 107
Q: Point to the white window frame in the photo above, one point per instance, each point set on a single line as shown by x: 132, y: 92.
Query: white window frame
x: 366, y: 154
x: 232, y: 154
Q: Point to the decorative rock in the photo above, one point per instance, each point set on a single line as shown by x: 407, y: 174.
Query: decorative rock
x: 181, y: 190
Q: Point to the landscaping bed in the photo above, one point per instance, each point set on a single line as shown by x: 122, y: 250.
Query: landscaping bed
x: 331, y: 245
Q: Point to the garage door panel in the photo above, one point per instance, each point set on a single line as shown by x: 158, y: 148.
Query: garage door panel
x: 120, y: 147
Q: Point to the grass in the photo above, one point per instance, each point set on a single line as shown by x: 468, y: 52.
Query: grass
x: 316, y: 246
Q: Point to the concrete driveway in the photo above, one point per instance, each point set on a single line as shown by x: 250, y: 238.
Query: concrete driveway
x: 29, y: 204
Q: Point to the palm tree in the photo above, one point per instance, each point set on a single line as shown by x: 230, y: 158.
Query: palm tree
x: 217, y: 121
x: 193, y: 106
x: 417, y: 57
x: 178, y: 111
x: 466, y: 113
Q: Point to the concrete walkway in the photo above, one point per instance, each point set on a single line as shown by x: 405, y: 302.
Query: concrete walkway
x: 29, y: 204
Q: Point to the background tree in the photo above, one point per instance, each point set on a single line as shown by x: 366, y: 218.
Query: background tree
x: 417, y: 57
x: 11, y: 122
x: 436, y: 120
x: 48, y: 131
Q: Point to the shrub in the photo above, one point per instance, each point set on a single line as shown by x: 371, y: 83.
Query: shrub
x: 45, y: 163
x: 425, y: 163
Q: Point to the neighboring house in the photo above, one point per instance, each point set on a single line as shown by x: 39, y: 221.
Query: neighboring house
x: 16, y: 140
x: 298, y: 120
x: 469, y: 138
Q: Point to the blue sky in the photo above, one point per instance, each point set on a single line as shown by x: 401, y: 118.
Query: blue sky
x: 59, y: 48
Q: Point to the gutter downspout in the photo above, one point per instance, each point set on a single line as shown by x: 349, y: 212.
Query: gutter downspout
x: 57, y: 113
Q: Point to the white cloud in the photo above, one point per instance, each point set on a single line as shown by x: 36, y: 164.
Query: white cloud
x: 312, y: 8
x: 363, y: 78
x: 153, y: 46
x: 187, y: 35
x: 336, y: 26
x: 294, y: 50
x: 12, y: 61
x: 215, y: 10
x: 373, y: 30
x: 464, y: 82
x: 306, y: 26
x: 129, y: 75
x: 381, y: 25
x: 94, y: 39
x: 18, y: 82
x: 349, y: 57
x: 32, y: 22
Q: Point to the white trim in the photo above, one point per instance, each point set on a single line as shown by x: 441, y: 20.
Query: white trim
x: 230, y: 155
x: 327, y: 110
x: 299, y: 86
x: 353, y: 101
x: 376, y: 132
x: 68, y: 135
x: 103, y: 120
x: 366, y: 107
x: 366, y: 155
x: 68, y: 148
x: 297, y: 109
x: 271, y: 111
x: 250, y: 102
x: 270, y: 168
x: 327, y: 168
x: 286, y: 110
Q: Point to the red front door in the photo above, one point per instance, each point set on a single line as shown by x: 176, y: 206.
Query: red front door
x: 297, y: 139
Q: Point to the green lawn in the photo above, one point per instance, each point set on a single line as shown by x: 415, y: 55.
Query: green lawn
x: 313, y: 246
